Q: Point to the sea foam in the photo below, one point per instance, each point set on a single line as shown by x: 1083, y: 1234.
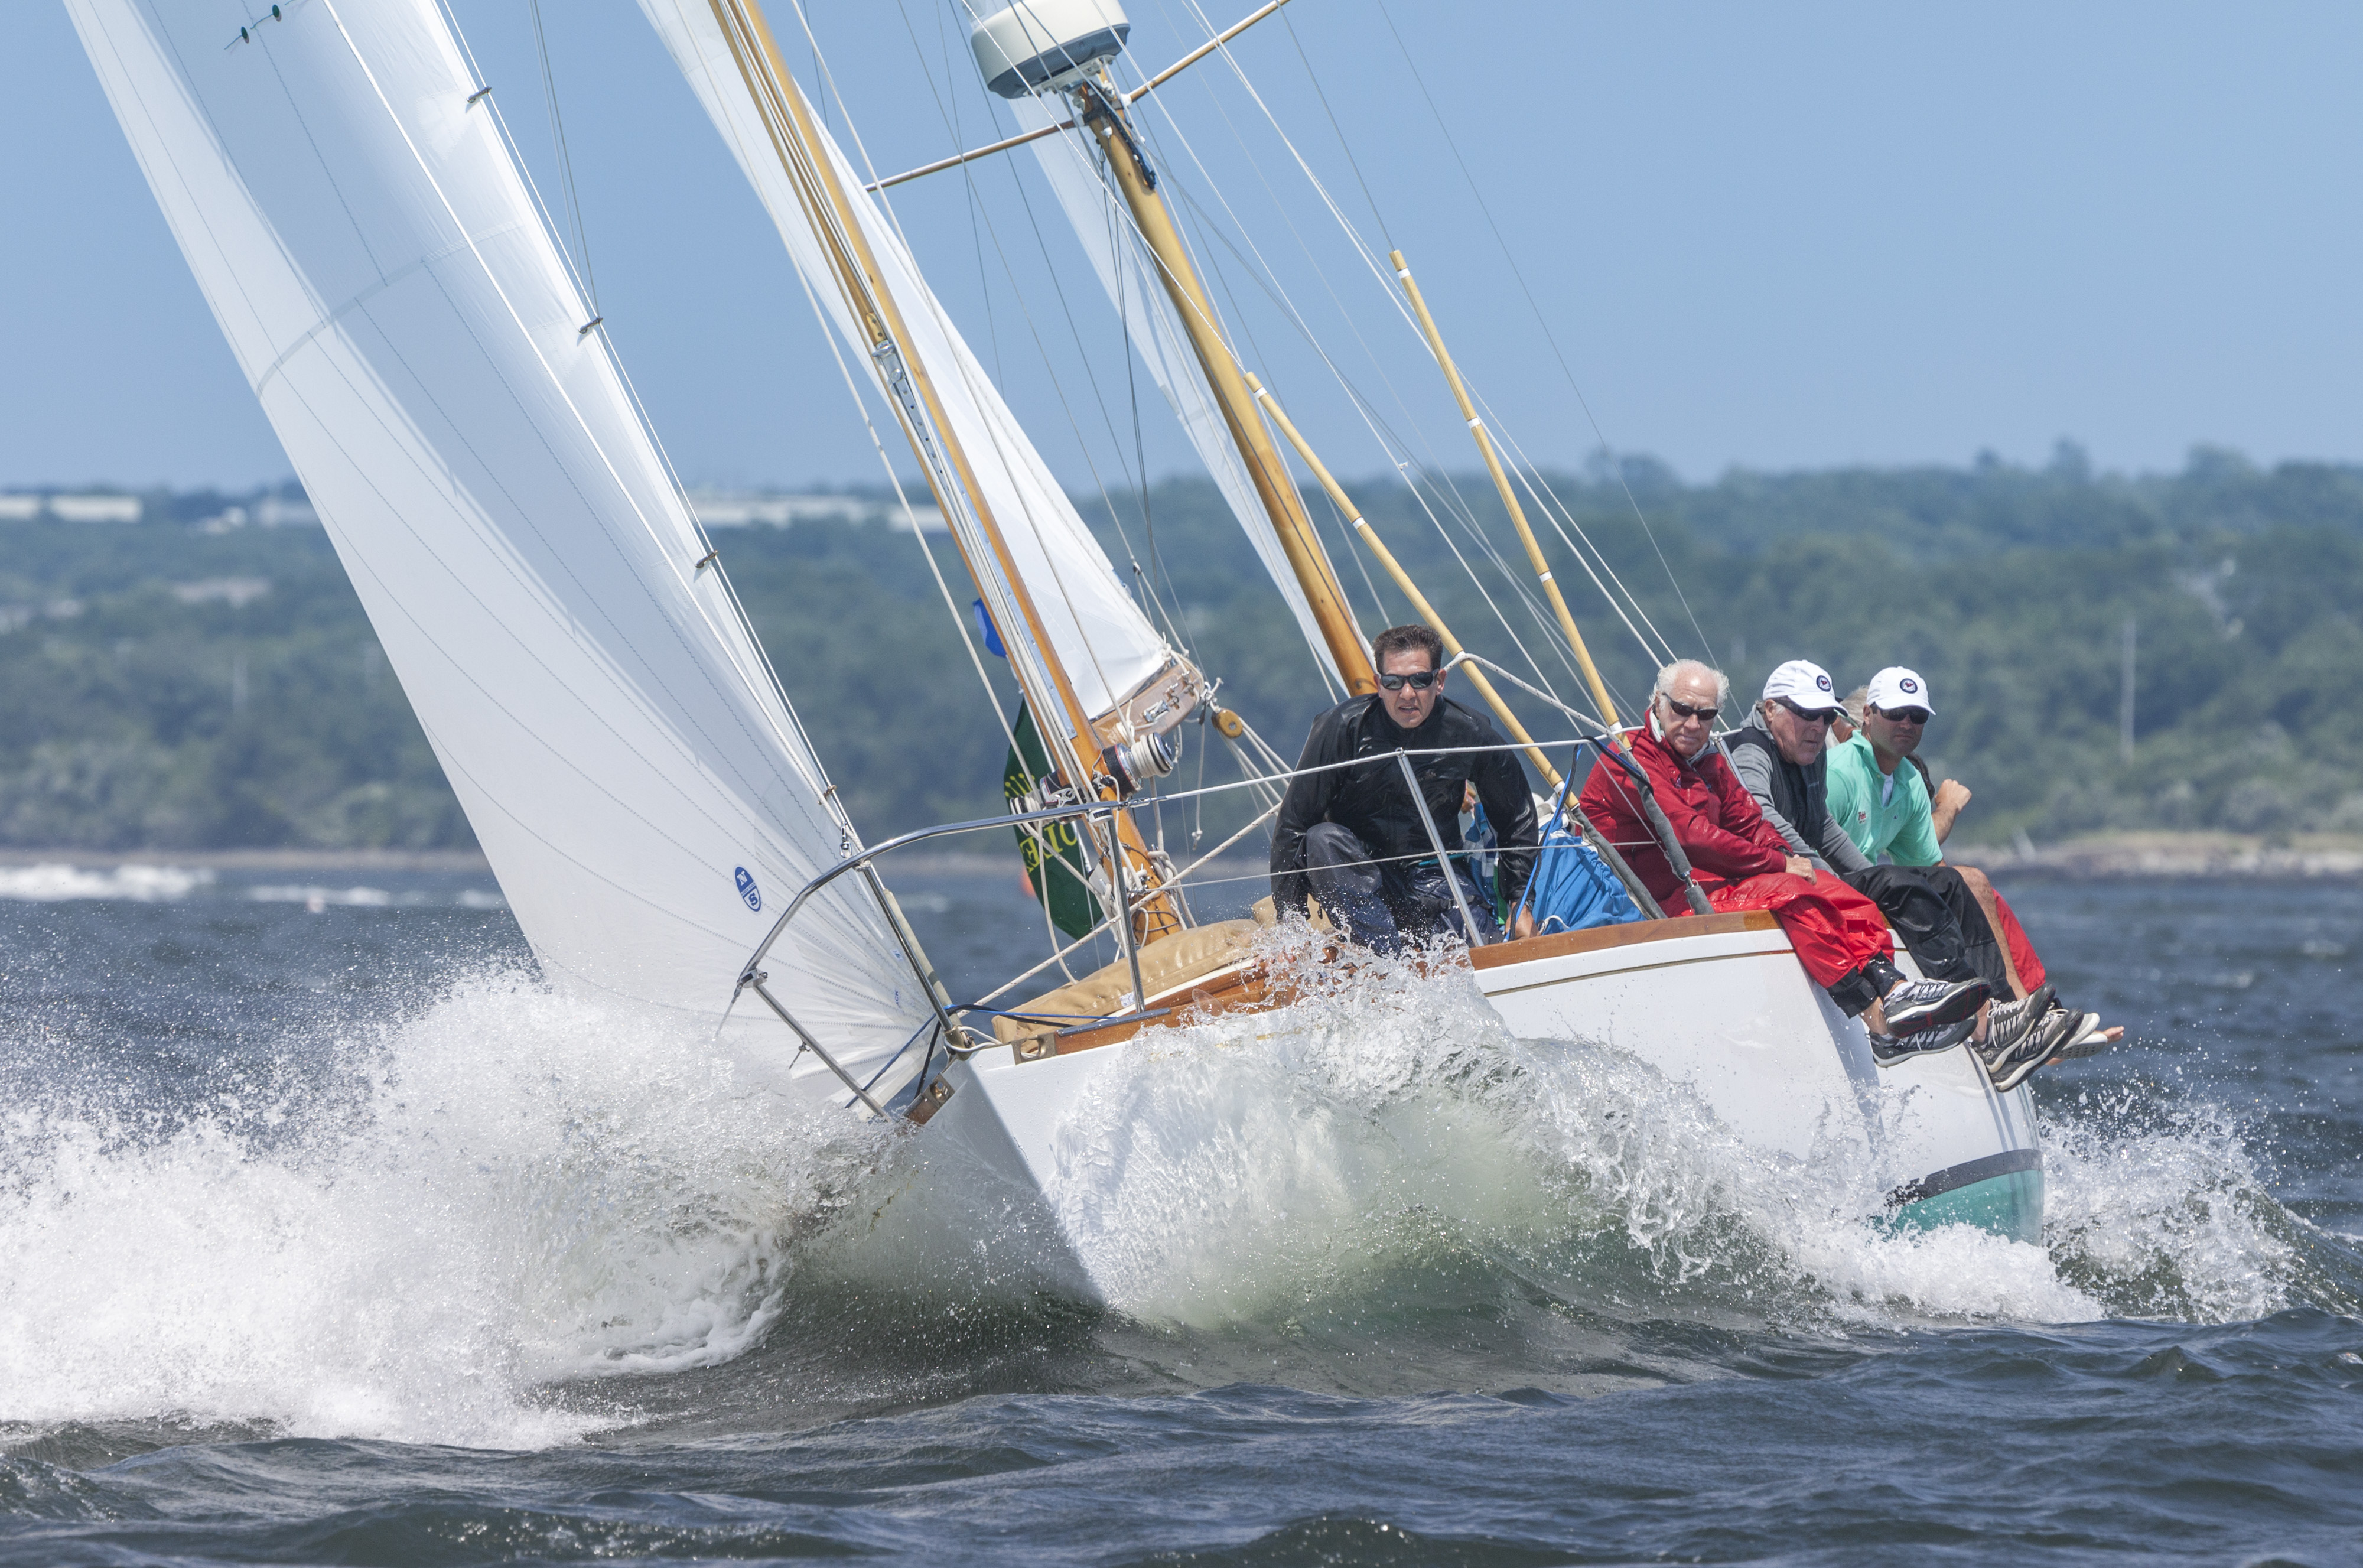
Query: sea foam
x: 507, y: 1189
x: 449, y: 1226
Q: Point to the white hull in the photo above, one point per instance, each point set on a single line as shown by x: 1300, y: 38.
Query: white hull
x: 1719, y: 1003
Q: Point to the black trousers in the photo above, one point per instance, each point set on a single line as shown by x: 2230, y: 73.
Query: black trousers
x: 1938, y: 920
x: 1383, y: 906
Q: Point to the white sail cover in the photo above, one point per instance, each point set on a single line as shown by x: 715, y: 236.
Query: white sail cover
x: 1095, y: 628
x: 1128, y: 273
x: 381, y: 270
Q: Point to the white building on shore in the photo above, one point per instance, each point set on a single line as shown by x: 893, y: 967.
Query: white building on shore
x: 766, y: 509
x: 86, y: 506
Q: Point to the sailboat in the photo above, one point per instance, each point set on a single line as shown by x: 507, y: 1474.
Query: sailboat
x: 1716, y: 1002
x: 341, y: 186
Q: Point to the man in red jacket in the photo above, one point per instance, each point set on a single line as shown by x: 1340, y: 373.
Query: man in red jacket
x: 1740, y: 862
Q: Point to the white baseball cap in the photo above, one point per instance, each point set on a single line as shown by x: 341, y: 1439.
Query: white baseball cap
x: 1896, y: 686
x: 1805, y: 683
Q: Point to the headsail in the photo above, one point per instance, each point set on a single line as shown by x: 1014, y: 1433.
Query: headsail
x: 382, y: 272
x: 1096, y: 630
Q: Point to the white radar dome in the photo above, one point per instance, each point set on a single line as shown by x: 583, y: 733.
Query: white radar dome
x: 1039, y: 44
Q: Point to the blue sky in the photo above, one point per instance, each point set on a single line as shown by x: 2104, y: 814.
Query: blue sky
x: 1777, y: 237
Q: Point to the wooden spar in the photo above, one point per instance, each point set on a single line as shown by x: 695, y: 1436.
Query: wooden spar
x: 859, y: 275
x: 1102, y: 111
x: 1039, y: 132
x: 1370, y: 537
x: 1509, y: 497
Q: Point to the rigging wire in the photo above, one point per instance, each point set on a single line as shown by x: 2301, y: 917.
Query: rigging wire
x: 1261, y: 272
x: 1445, y: 482
x: 565, y: 158
x: 1389, y: 443
x: 983, y: 395
x: 1355, y: 163
x: 943, y: 42
x: 1549, y: 337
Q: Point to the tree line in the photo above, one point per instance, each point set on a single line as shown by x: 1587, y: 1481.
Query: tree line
x: 169, y: 688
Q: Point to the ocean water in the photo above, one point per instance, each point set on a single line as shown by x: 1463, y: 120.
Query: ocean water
x: 327, y: 1235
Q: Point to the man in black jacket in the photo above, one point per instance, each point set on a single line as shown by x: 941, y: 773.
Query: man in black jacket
x: 1352, y: 836
x: 1778, y: 758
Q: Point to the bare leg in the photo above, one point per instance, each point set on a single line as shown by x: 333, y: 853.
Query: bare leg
x: 1983, y: 891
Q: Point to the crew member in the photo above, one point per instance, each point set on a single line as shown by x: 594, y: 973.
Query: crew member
x: 1887, y: 808
x: 1352, y: 836
x: 1780, y: 757
x: 1741, y: 861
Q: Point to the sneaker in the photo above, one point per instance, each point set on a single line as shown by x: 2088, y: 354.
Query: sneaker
x: 2010, y: 1057
x: 1919, y: 1004
x: 2013, y: 1018
x: 1887, y: 1050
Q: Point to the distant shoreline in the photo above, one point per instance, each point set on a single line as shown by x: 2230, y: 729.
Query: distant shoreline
x: 2299, y: 858
x: 2304, y: 857
x: 255, y: 859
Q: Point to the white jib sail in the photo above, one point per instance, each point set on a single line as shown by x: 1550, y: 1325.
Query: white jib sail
x: 384, y: 278
x: 1128, y: 273
x: 1095, y: 628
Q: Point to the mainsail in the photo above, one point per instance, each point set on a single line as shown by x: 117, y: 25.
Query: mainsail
x: 365, y: 239
x: 1096, y: 630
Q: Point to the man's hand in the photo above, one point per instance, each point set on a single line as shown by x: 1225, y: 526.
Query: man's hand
x: 1523, y: 926
x: 1951, y: 796
x: 1800, y: 866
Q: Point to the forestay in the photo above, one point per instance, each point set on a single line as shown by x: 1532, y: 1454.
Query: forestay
x: 372, y: 254
x: 1096, y: 630
x: 1128, y: 273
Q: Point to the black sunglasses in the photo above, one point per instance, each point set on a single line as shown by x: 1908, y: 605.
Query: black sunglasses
x: 1418, y: 680
x: 1811, y: 714
x: 1683, y: 710
x: 1906, y: 715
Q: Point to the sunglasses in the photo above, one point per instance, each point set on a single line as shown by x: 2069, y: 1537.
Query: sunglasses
x: 1683, y: 710
x: 1418, y: 680
x: 1905, y: 715
x: 1811, y: 714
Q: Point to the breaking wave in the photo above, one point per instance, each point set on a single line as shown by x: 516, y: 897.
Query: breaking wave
x: 56, y: 883
x: 456, y: 1224
x: 508, y: 1189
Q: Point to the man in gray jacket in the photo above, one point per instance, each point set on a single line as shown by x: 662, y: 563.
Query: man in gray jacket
x: 1779, y: 759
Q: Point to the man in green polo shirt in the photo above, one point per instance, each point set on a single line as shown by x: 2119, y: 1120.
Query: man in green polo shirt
x: 1883, y: 806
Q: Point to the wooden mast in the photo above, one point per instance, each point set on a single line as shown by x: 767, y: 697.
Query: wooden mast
x: 788, y: 119
x: 1101, y: 108
x: 1509, y: 497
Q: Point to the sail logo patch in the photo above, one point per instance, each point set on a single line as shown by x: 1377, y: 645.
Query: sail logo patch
x: 748, y: 890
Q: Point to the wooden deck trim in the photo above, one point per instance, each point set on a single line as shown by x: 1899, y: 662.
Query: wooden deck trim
x: 1243, y: 989
x: 1558, y: 944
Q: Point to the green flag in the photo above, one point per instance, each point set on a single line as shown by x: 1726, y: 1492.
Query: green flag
x: 1053, y: 851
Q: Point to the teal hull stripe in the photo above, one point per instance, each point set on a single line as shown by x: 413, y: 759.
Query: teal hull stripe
x: 1968, y: 1172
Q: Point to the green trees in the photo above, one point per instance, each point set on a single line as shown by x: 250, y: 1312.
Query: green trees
x: 161, y: 686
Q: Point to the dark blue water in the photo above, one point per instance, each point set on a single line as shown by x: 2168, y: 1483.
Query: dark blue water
x: 327, y: 1236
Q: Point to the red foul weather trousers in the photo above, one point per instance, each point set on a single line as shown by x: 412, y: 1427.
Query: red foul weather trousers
x: 1835, y: 929
x: 2022, y: 952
